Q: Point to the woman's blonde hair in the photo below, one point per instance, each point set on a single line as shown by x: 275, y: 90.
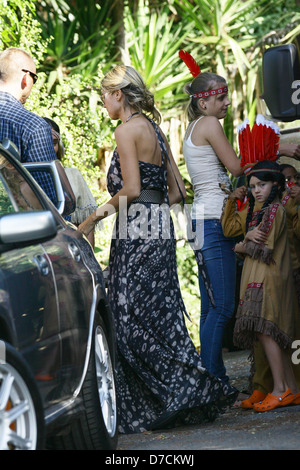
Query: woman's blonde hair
x: 137, y: 95
x: 203, y: 82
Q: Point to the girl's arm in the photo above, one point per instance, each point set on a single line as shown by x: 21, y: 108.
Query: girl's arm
x: 292, y: 208
x: 173, y: 191
x: 215, y: 136
x: 272, y: 225
x: 296, y: 223
x: 256, y: 235
x: 233, y: 221
x: 289, y: 150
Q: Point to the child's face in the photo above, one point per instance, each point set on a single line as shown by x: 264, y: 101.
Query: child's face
x: 291, y: 175
x: 55, y: 142
x: 260, y: 189
x: 217, y: 105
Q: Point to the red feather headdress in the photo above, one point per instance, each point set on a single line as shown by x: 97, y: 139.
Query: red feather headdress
x: 259, y: 143
x: 190, y: 63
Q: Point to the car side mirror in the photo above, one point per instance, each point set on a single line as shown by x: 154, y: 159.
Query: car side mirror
x: 19, y: 228
x: 281, y: 81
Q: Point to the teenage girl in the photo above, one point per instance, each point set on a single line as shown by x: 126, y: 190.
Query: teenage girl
x: 208, y: 155
x: 268, y: 302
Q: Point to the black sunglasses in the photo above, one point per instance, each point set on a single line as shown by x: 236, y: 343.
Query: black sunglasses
x: 32, y: 74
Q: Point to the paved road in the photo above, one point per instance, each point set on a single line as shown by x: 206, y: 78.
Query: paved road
x: 237, y: 429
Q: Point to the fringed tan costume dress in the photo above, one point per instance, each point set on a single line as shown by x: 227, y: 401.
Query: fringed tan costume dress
x: 262, y: 376
x: 267, y: 295
x: 292, y: 209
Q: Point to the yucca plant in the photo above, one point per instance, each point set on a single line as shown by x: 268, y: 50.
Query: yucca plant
x: 153, y: 42
x: 81, y: 38
x: 233, y: 33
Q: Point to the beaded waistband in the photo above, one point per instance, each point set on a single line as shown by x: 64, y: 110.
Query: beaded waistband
x: 152, y: 196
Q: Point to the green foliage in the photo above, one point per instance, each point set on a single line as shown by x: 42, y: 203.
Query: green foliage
x: 81, y: 38
x: 19, y: 27
x: 153, y: 42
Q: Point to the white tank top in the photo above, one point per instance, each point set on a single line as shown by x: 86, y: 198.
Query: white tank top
x: 209, y: 178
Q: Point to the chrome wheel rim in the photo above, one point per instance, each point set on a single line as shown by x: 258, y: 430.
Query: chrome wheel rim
x: 105, y: 382
x: 18, y: 426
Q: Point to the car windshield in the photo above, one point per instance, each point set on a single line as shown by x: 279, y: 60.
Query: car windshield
x: 15, y: 193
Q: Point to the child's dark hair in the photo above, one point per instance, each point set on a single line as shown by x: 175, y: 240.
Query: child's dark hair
x: 265, y: 171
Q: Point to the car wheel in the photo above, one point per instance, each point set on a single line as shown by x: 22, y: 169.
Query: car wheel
x: 21, y: 411
x: 97, y: 427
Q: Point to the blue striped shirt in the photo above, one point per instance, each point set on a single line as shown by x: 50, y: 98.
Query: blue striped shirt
x: 31, y: 134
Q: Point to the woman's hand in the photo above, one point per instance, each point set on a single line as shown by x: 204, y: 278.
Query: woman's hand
x: 88, y: 225
x: 289, y: 150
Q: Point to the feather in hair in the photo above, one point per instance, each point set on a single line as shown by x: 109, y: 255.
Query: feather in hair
x: 190, y: 63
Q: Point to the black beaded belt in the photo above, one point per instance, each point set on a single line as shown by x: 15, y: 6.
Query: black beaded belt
x: 152, y: 196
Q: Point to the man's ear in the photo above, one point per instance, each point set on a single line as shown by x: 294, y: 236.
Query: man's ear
x: 24, y: 81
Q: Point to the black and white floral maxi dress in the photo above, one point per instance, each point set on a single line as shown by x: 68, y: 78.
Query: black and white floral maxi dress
x: 160, y: 377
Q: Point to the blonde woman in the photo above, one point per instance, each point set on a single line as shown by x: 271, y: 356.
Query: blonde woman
x: 161, y: 380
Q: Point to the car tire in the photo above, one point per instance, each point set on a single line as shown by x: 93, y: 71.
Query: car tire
x: 21, y: 410
x: 97, y: 427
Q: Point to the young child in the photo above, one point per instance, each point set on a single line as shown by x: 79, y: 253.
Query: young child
x: 268, y: 302
x: 262, y: 381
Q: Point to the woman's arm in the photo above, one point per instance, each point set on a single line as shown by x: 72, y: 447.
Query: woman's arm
x: 130, y: 175
x: 289, y: 150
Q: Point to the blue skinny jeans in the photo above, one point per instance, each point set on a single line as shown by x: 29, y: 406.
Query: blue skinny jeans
x: 220, y: 261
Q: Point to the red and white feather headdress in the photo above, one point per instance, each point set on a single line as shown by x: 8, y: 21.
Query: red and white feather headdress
x: 259, y: 143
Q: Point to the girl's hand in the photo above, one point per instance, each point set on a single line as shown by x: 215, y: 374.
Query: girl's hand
x: 256, y: 235
x: 240, y: 247
x: 295, y: 192
x: 239, y: 193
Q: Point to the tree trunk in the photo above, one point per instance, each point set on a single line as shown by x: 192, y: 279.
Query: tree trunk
x: 120, y: 42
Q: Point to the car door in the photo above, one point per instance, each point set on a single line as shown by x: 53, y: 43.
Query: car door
x: 74, y: 290
x: 28, y: 292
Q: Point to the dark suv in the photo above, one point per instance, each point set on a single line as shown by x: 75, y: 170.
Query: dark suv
x: 57, y: 342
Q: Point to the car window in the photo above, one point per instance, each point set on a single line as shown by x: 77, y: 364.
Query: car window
x: 15, y: 193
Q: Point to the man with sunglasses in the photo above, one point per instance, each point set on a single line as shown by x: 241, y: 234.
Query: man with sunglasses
x: 29, y: 132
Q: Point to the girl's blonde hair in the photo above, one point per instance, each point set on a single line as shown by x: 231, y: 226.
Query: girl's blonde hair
x: 137, y: 95
x: 203, y: 82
